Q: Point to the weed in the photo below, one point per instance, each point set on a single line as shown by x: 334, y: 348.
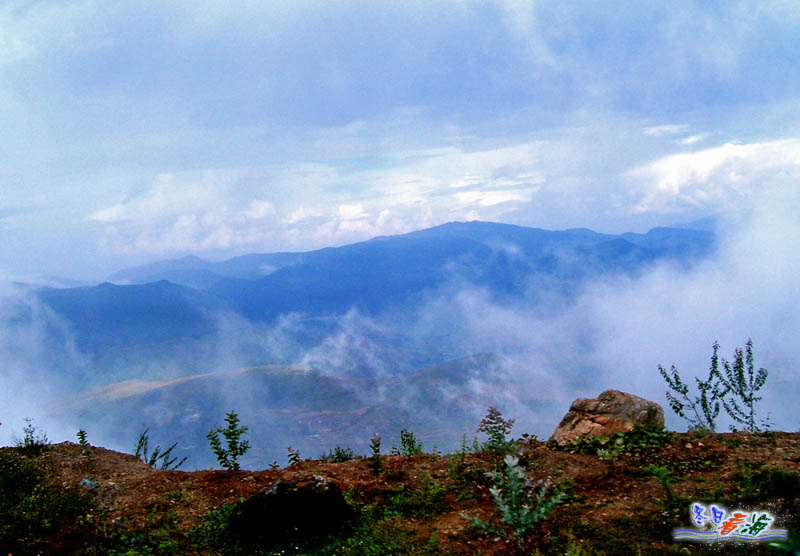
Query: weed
x: 30, y: 512
x: 462, y: 476
x: 735, y: 390
x: 152, y: 459
x: 496, y: 428
x: 638, y: 441
x: 213, y: 531
x: 702, y: 411
x: 409, y: 445
x: 424, y: 499
x: 521, y: 506
x: 34, y: 440
x: 293, y: 456
x: 744, y: 387
x: 228, y: 458
x: 375, y: 449
x: 81, y: 434
x: 664, y: 476
x: 766, y: 484
x: 339, y: 455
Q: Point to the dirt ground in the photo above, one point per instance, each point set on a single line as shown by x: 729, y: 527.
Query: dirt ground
x: 614, y: 505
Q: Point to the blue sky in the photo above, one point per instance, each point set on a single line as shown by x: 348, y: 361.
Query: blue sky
x: 133, y: 132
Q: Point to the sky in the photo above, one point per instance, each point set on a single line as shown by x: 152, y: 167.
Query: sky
x: 134, y: 132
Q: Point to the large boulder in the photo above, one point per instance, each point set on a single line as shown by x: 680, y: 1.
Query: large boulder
x: 613, y: 411
x: 299, y: 507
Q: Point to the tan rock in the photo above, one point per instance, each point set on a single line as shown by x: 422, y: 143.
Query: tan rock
x: 613, y: 411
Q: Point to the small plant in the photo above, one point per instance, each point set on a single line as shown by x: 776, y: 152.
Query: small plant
x: 423, y: 499
x: 496, y: 428
x: 664, y: 476
x: 702, y: 411
x: 228, y: 457
x: 34, y: 440
x: 638, y: 441
x: 293, y: 456
x: 167, y: 462
x: 213, y: 531
x: 744, y: 387
x: 375, y: 448
x: 521, y: 505
x: 32, y: 511
x: 81, y: 434
x: 735, y: 390
x: 339, y: 455
x: 409, y: 446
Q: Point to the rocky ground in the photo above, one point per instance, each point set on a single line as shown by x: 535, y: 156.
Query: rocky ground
x: 621, y: 496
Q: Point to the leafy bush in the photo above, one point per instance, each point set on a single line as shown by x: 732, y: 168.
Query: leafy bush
x: 735, y: 390
x: 423, y: 499
x: 213, y: 531
x: 34, y: 440
x: 766, y: 484
x: 339, y: 455
x: 640, y: 440
x: 496, y: 428
x: 167, y: 462
x: 409, y: 446
x: 228, y: 458
x: 521, y: 506
x: 744, y: 387
x: 460, y: 473
x: 30, y: 512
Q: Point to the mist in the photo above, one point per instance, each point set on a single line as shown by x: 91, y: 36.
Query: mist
x: 530, y: 356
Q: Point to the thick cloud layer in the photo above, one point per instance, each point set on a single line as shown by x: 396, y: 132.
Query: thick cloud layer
x: 548, y: 349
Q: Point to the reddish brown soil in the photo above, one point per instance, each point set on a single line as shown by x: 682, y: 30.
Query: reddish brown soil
x: 613, y: 507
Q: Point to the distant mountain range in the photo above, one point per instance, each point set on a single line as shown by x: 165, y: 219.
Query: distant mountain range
x: 177, y: 343
x: 177, y: 302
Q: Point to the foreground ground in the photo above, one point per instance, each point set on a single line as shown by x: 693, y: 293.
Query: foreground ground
x: 622, y: 497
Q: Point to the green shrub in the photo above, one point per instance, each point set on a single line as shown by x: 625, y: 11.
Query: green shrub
x: 735, y: 390
x: 409, y: 446
x: 423, y: 499
x: 640, y: 440
x: 213, y: 531
x: 462, y: 475
x: 766, y: 484
x: 339, y: 455
x: 84, y: 444
x: 228, y: 458
x: 34, y: 440
x: 744, y: 386
x: 521, y: 506
x: 30, y: 511
x: 496, y: 428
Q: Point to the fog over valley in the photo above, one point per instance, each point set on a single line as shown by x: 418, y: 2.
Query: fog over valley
x: 321, y: 353
x: 338, y: 221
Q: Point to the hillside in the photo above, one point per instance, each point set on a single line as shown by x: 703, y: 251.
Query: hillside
x: 96, y: 501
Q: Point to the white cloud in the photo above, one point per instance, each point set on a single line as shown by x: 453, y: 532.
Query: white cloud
x: 716, y: 177
x: 666, y: 129
x: 259, y: 209
x: 171, y: 194
x: 352, y: 212
x: 692, y: 139
x: 491, y: 198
